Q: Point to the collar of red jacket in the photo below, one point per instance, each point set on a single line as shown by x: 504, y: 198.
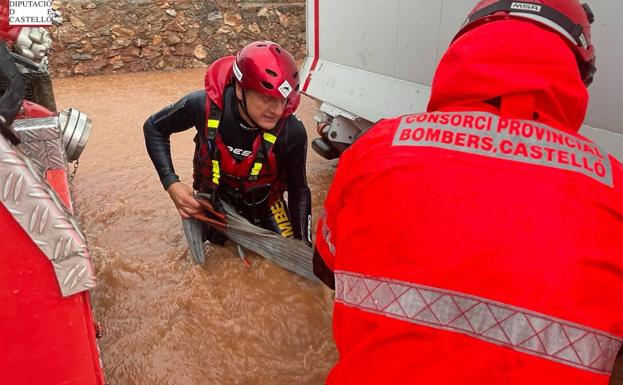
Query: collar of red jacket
x: 530, y: 69
x: 219, y: 75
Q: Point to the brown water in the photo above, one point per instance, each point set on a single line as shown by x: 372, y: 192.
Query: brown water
x: 166, y: 320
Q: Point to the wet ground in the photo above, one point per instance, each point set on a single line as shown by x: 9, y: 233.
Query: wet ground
x: 166, y: 320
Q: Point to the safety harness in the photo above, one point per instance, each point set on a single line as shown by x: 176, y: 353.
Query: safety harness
x: 214, y: 162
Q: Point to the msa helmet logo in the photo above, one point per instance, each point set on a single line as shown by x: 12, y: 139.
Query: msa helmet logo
x: 237, y: 72
x: 285, y: 88
x: 526, y: 7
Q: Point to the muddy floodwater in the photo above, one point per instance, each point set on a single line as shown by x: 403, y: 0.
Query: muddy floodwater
x: 166, y: 320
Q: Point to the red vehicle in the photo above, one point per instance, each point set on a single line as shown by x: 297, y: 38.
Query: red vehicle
x: 49, y: 333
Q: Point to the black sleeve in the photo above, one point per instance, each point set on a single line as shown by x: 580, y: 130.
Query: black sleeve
x: 187, y: 112
x: 299, y: 196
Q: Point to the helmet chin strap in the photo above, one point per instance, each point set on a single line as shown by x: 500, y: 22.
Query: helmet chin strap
x: 243, y: 103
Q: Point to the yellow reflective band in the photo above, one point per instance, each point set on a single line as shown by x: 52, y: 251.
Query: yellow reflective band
x: 270, y: 137
x: 257, y: 167
x: 212, y: 123
x: 216, y: 172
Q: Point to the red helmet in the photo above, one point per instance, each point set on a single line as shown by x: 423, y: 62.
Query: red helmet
x: 569, y: 18
x: 266, y: 67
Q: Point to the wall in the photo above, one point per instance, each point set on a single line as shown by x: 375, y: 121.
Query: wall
x: 102, y: 36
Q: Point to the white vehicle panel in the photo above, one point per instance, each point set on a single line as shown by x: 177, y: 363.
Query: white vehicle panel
x: 376, y: 58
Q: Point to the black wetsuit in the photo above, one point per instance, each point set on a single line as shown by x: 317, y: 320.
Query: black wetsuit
x: 290, y: 149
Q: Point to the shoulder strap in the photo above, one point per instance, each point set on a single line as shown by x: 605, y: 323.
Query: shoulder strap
x: 266, y: 147
x: 213, y: 121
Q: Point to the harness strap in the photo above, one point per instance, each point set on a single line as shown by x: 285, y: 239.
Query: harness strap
x: 268, y: 141
x: 261, y: 155
x: 211, y: 130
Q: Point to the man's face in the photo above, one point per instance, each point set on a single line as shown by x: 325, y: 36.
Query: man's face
x: 262, y: 109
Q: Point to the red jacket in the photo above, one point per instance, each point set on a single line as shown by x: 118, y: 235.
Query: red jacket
x: 480, y: 243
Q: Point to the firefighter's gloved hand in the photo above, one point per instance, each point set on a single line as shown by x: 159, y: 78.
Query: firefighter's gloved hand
x: 213, y: 212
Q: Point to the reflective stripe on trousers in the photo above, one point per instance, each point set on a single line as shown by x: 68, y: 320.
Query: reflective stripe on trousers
x: 505, y: 325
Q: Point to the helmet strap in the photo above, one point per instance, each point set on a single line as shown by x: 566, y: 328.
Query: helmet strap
x: 527, y: 9
x: 548, y: 16
x: 243, y: 105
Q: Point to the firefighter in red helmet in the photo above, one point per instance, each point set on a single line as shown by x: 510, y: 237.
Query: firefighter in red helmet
x: 497, y: 258
x: 250, y: 148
